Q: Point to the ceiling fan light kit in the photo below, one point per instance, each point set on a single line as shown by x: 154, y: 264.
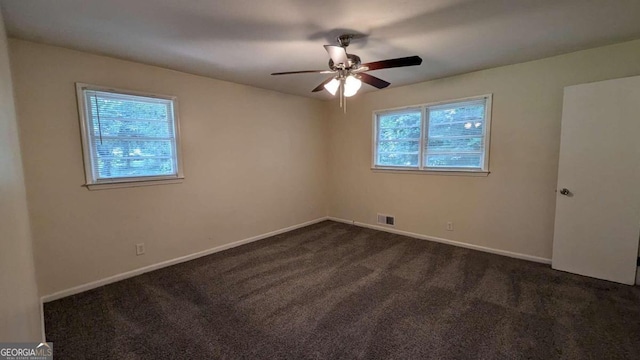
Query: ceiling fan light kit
x: 348, y: 71
x: 332, y: 86
x: 351, y: 85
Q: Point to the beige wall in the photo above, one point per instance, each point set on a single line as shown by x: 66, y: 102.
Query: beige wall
x: 19, y: 303
x: 513, y: 208
x: 254, y: 162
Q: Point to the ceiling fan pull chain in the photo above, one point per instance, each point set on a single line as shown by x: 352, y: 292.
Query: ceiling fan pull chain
x: 344, y: 98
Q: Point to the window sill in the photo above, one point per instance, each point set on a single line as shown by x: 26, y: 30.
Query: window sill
x: 393, y: 170
x: 125, y: 184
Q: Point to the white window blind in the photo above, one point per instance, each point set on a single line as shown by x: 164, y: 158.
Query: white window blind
x: 448, y: 136
x: 399, y: 138
x: 455, y: 138
x: 129, y: 137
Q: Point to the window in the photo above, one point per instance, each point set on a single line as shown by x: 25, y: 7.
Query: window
x: 448, y: 136
x: 128, y: 138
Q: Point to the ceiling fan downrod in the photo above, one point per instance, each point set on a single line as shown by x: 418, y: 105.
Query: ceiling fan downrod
x: 344, y: 40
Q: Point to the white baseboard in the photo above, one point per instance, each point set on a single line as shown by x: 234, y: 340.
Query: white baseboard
x: 349, y: 222
x: 125, y: 275
x: 446, y: 241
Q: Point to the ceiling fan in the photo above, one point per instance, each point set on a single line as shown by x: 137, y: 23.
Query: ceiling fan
x: 348, y: 73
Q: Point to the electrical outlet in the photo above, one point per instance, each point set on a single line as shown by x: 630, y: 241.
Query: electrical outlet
x: 449, y: 226
x: 140, y: 249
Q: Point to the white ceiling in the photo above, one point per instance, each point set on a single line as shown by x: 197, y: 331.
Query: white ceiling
x: 243, y: 41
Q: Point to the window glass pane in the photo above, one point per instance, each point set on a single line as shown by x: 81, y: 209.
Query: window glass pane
x: 124, y: 148
x: 405, y: 160
x: 111, y: 117
x: 398, y: 142
x: 399, y: 147
x: 456, y: 129
x: 146, y: 129
x: 455, y: 160
x: 455, y: 144
x: 456, y: 135
x: 400, y: 133
x: 124, y: 108
x: 117, y: 168
x: 409, y: 118
x: 444, y: 114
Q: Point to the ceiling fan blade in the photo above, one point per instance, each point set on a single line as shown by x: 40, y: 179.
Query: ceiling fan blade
x: 393, y: 63
x: 304, y: 72
x: 373, y: 81
x: 321, y: 86
x: 338, y: 54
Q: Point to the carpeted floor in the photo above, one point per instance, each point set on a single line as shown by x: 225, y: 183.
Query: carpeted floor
x: 335, y: 291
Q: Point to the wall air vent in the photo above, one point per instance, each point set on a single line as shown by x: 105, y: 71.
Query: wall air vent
x: 386, y: 220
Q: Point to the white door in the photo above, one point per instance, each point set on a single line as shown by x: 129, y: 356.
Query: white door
x: 597, y: 225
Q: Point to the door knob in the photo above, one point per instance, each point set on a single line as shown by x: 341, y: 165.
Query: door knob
x: 565, y: 191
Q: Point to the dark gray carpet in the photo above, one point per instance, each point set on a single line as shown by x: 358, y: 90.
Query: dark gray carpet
x: 334, y: 291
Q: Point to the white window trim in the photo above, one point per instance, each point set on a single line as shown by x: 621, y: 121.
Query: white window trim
x: 421, y: 169
x: 92, y: 184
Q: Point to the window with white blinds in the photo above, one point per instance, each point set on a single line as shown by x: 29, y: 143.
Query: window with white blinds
x: 128, y: 137
x: 447, y: 136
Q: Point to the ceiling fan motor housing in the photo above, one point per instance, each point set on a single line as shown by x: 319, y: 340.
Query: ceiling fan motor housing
x: 354, y: 62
